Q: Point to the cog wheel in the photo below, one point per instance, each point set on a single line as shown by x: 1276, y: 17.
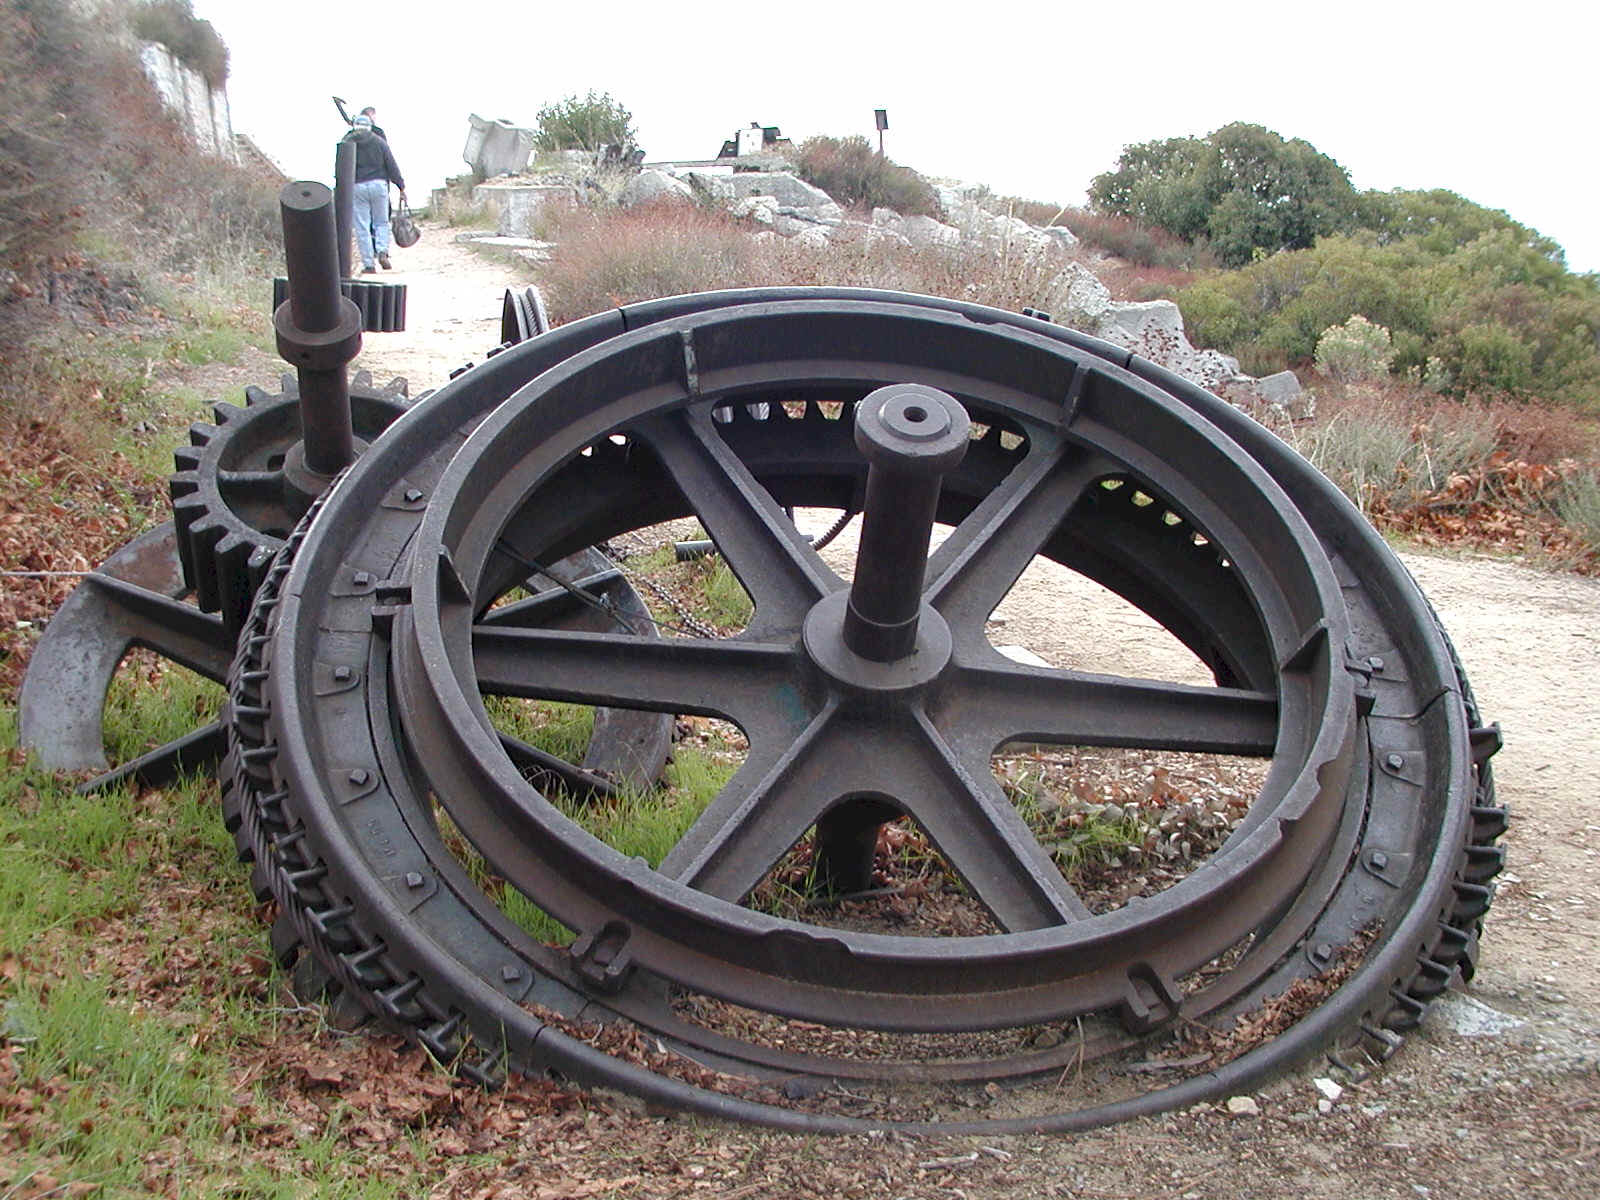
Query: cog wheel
x: 1359, y: 873
x: 229, y: 501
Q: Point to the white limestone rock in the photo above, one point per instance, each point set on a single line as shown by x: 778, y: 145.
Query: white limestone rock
x: 651, y: 186
x: 789, y: 189
x: 761, y: 209
x: 925, y: 231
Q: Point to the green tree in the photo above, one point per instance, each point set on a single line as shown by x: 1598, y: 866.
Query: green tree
x: 1441, y: 221
x: 585, y: 123
x: 1243, y: 187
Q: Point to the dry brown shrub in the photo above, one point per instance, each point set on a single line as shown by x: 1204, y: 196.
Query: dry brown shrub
x: 608, y: 257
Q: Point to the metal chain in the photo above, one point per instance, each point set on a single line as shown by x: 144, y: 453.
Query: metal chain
x: 689, y: 622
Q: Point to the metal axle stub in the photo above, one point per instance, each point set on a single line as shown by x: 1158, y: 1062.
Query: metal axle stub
x: 912, y: 435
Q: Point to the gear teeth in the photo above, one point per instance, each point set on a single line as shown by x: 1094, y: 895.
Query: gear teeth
x: 1472, y: 900
x: 1489, y: 821
x: 226, y: 552
x: 1483, y: 863
x: 285, y: 941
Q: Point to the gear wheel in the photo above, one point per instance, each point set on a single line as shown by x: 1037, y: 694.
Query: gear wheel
x: 228, y: 495
x: 1363, y: 867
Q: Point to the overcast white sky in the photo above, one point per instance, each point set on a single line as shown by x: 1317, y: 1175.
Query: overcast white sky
x: 1494, y: 101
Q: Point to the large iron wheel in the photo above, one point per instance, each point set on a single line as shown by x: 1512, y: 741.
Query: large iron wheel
x: 1328, y: 665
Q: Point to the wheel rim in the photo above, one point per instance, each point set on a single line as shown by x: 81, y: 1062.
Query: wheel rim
x: 707, y: 942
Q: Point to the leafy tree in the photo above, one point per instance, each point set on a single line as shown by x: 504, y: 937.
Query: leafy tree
x: 585, y: 123
x: 1243, y: 187
x: 1442, y: 221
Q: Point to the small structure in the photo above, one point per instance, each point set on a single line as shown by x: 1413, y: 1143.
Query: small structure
x: 756, y: 139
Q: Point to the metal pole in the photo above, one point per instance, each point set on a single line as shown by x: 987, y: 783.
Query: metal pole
x: 319, y: 331
x: 344, y: 183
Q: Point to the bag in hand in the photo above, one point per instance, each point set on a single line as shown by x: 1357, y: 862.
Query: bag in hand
x: 403, y: 227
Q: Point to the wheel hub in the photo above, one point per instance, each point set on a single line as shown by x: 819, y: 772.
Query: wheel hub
x: 856, y: 677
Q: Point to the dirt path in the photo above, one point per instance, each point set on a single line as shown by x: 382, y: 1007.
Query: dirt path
x: 1498, y: 1096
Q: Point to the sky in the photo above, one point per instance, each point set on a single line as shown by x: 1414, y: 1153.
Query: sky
x: 1494, y: 101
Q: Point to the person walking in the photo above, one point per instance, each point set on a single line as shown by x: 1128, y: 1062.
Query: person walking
x: 375, y: 171
x: 370, y: 111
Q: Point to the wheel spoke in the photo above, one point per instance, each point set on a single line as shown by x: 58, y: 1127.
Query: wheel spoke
x: 259, y: 485
x: 751, y: 685
x: 196, y: 751
x: 771, y: 558
x: 976, y: 566
x: 978, y: 831
x: 173, y: 629
x: 775, y: 796
x: 992, y: 705
x: 548, y: 604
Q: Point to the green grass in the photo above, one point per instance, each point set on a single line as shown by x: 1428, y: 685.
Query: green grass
x: 130, y: 1079
x: 727, y: 604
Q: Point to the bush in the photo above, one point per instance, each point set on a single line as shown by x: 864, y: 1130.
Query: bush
x: 1142, y: 245
x: 91, y: 162
x: 1355, y: 352
x: 607, y: 257
x: 193, y: 42
x: 1496, y: 315
x: 853, y: 173
x: 585, y: 123
x: 1387, y: 451
x: 1577, y: 505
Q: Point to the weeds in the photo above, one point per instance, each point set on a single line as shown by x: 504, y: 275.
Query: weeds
x: 1577, y: 503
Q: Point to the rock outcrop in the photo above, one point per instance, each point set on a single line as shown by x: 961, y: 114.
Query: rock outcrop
x: 202, y: 109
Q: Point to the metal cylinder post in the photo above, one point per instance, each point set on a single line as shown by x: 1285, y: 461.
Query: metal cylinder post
x: 912, y: 435
x: 319, y: 331
x: 344, y: 193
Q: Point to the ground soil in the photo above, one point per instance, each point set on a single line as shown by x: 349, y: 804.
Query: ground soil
x: 1498, y: 1096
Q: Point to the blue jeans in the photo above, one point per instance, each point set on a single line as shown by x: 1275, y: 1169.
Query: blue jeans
x: 371, y: 206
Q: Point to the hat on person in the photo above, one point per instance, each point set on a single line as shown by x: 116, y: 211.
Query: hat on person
x: 369, y: 111
x: 362, y: 122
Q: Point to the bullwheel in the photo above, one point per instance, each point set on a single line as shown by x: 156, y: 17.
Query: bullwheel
x: 408, y: 849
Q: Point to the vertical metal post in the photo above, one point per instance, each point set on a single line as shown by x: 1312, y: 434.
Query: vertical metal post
x: 344, y: 200
x: 319, y: 331
x: 912, y: 435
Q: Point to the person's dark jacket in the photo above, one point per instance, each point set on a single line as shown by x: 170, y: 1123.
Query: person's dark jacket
x: 374, y: 159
